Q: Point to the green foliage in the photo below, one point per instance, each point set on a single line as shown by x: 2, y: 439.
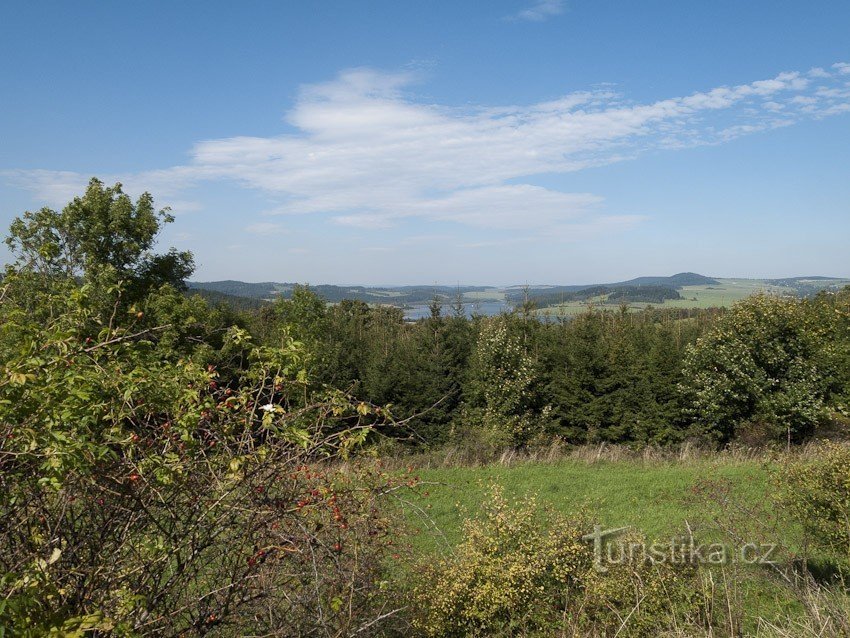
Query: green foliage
x: 517, y: 572
x: 161, y: 473
x: 143, y: 493
x: 503, y: 383
x: 602, y: 376
x: 509, y: 576
x: 612, y: 377
x: 759, y: 364
x: 817, y: 492
x: 101, y: 237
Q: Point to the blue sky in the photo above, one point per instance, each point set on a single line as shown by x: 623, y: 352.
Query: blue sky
x: 411, y: 142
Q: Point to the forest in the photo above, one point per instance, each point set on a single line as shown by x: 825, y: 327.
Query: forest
x: 655, y: 377
x: 173, y: 465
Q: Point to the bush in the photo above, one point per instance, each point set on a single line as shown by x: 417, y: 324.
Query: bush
x: 519, y: 573
x: 817, y: 492
x: 145, y: 495
x: 759, y: 365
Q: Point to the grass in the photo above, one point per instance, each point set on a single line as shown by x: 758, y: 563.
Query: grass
x: 484, y: 295
x: 722, y: 294
x: 654, y: 497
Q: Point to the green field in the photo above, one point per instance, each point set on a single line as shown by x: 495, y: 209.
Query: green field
x: 727, y: 292
x: 655, y: 498
x: 484, y: 295
x: 721, y: 295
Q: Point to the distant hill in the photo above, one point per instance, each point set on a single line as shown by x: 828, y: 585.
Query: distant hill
x: 701, y: 291
x: 662, y: 288
x: 234, y: 301
x: 399, y: 295
x: 806, y: 286
x: 675, y: 281
x: 607, y: 294
x: 263, y: 290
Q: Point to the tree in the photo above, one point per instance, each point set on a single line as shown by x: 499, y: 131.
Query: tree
x: 758, y: 367
x: 158, y: 469
x: 102, y: 236
x: 503, y: 383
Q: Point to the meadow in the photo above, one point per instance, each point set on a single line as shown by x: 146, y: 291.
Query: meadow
x: 710, y: 497
x: 721, y: 295
x: 653, y: 496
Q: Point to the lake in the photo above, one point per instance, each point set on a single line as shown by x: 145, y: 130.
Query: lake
x: 485, y: 308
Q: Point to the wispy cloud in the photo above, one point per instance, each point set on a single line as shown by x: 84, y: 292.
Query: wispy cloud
x: 367, y: 154
x: 539, y: 11
x: 265, y: 228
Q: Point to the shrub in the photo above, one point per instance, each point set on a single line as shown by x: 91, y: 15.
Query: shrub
x: 759, y: 365
x: 149, y: 496
x: 817, y: 492
x: 519, y: 573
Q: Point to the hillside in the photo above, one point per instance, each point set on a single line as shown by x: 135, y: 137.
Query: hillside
x: 682, y: 290
x: 398, y: 295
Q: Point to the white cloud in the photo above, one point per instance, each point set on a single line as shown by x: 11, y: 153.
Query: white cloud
x: 54, y: 188
x: 539, y: 11
x: 370, y: 222
x: 368, y: 154
x: 508, y: 207
x: 181, y: 206
x: 265, y: 228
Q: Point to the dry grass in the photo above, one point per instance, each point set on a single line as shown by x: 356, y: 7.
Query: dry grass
x: 471, y: 456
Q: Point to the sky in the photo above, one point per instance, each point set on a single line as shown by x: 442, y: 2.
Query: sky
x: 400, y: 142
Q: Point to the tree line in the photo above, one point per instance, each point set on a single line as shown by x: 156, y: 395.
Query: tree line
x: 770, y: 369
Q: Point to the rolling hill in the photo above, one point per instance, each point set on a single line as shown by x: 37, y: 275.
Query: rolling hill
x: 682, y: 290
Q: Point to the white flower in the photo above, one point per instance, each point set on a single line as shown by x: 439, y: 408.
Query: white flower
x: 268, y: 407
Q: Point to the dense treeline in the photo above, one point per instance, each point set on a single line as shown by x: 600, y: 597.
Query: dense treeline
x: 396, y: 295
x: 650, y: 377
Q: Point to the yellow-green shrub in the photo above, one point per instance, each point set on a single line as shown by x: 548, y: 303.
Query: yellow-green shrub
x: 817, y: 492
x: 518, y: 572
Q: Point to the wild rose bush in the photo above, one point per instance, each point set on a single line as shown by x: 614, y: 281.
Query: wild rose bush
x: 192, y: 495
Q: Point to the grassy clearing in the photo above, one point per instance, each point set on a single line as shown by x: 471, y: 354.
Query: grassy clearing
x: 722, y: 294
x: 484, y: 295
x: 654, y: 497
